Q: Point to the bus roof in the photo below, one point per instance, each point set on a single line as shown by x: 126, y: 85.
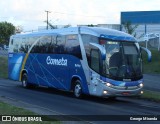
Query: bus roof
x: 109, y: 33
x: 96, y: 31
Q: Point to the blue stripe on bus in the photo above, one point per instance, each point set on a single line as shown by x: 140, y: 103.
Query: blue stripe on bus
x: 52, y: 75
x: 118, y: 38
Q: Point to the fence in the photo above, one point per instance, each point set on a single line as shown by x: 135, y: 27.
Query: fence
x: 150, y: 41
x: 3, y: 53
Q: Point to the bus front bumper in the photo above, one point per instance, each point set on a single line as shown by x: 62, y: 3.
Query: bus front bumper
x: 122, y: 91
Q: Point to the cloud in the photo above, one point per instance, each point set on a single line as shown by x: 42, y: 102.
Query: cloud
x: 31, y: 13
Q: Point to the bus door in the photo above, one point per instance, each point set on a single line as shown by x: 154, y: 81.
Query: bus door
x: 97, y: 53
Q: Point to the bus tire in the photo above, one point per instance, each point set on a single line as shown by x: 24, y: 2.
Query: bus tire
x: 77, y: 89
x: 25, y: 81
x: 112, y: 98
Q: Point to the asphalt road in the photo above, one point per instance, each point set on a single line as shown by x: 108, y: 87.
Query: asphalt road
x: 152, y: 82
x: 53, y: 102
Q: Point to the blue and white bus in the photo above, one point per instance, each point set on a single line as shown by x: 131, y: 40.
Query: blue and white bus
x: 94, y: 61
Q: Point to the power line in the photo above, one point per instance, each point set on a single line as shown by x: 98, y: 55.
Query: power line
x: 79, y: 15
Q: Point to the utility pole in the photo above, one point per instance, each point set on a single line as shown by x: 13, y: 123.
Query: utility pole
x: 47, y: 17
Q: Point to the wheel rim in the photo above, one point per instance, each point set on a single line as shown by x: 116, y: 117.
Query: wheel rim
x: 77, y: 90
x: 24, y: 81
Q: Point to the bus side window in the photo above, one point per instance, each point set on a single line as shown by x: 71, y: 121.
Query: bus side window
x: 35, y: 48
x: 95, y: 65
x: 60, y: 42
x: 86, y: 40
x: 30, y: 41
x: 12, y: 42
x: 72, y: 46
x: 44, y: 44
x: 52, y: 46
x: 16, y: 45
x: 23, y: 47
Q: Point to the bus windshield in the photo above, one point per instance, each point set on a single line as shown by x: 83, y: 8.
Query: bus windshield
x: 123, y: 61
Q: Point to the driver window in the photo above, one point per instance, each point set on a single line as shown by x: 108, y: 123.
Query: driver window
x: 95, y: 60
x: 112, y: 53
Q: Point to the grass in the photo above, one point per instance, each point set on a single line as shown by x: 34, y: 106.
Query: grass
x: 151, y: 95
x: 3, y: 67
x: 6, y: 109
x: 152, y: 67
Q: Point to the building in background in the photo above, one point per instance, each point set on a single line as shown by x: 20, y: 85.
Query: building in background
x: 111, y: 26
x: 148, y: 29
x: 148, y: 21
x: 41, y: 28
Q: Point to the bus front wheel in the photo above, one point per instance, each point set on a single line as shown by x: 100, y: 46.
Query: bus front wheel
x: 77, y: 89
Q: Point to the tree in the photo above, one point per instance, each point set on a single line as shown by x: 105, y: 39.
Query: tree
x: 91, y: 25
x: 6, y: 30
x: 67, y: 26
x: 129, y: 28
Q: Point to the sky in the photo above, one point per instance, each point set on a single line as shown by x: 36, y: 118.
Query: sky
x: 30, y: 14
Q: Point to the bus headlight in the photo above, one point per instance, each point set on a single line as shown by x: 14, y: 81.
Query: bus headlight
x: 109, y: 85
x: 141, y: 85
x: 142, y: 92
x: 105, y: 92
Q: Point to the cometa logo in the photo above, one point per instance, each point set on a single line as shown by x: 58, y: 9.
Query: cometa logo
x: 51, y: 61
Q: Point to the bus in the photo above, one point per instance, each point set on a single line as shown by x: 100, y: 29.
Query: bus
x: 84, y: 60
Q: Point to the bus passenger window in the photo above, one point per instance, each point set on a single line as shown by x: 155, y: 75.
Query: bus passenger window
x: 72, y: 46
x: 23, y: 48
x: 60, y: 41
x: 44, y: 44
x: 16, y: 45
x: 86, y: 40
x: 52, y: 46
x: 12, y: 42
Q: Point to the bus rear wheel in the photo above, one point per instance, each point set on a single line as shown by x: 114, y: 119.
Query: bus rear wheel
x: 25, y: 81
x: 77, y: 89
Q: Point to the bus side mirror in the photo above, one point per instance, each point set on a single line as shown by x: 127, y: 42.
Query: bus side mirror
x: 148, y: 53
x: 100, y: 48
